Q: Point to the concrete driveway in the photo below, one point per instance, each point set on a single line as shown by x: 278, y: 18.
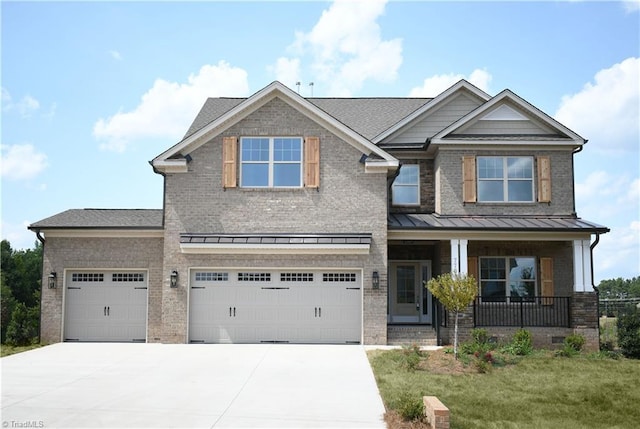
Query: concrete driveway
x: 161, y: 385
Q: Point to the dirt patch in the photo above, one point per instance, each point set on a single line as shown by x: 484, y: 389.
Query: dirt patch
x: 395, y: 421
x: 440, y: 362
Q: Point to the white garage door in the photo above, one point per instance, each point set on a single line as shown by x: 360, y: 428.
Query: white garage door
x: 237, y: 306
x: 106, y: 306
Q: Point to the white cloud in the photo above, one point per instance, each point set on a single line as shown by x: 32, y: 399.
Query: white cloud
x: 115, y: 55
x: 607, y: 111
x: 631, y: 6
x: 21, y: 162
x: 434, y: 85
x: 26, y: 106
x: 618, y: 253
x: 18, y: 235
x: 346, y: 48
x: 287, y: 71
x: 167, y: 109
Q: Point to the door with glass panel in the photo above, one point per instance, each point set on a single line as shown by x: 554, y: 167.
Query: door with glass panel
x: 409, y: 300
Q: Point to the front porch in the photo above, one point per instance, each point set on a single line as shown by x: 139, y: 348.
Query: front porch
x: 543, y: 286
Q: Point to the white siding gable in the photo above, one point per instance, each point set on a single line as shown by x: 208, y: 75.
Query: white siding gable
x: 434, y: 121
x: 506, y: 120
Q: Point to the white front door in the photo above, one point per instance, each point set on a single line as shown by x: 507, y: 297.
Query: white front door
x: 409, y: 300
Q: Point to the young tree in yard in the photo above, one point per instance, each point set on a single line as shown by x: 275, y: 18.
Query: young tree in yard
x: 455, y: 291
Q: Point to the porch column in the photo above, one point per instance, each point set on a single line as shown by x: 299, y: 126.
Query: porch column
x: 582, y: 266
x: 455, y: 256
x: 459, y: 256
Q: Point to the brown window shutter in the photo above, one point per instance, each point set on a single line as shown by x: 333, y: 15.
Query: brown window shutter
x: 229, y: 163
x: 472, y: 268
x: 469, y: 179
x: 546, y: 279
x: 544, y: 179
x: 312, y: 162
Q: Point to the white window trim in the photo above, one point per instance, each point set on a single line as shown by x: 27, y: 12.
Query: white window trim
x: 508, y: 295
x: 271, y: 162
x: 505, y: 181
x: 394, y: 185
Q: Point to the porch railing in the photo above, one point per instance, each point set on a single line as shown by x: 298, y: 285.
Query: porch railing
x: 539, y: 311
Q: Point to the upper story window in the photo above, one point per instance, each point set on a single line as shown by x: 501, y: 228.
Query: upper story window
x: 512, y: 278
x: 273, y: 162
x: 505, y: 179
x: 405, y: 190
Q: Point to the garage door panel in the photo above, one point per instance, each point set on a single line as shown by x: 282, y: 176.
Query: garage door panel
x: 105, y: 306
x: 259, y: 306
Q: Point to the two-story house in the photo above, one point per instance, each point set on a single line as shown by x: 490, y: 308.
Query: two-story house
x: 317, y: 220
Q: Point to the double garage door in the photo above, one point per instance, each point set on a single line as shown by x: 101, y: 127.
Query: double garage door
x: 105, y: 306
x: 248, y: 306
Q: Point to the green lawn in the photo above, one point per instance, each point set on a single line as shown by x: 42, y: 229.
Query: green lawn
x: 6, y: 350
x: 538, y: 391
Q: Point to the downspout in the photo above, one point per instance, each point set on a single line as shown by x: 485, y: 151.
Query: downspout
x: 591, y: 247
x: 573, y: 177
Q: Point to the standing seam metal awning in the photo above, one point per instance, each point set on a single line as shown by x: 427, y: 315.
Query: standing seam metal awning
x: 356, y: 243
x: 408, y: 221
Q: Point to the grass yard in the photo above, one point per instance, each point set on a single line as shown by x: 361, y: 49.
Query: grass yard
x: 6, y: 350
x: 537, y: 391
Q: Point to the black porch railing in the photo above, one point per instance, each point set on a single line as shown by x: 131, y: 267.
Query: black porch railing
x: 539, y: 311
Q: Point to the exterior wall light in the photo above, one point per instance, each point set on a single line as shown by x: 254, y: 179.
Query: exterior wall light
x: 52, y: 280
x: 174, y: 278
x: 375, y: 280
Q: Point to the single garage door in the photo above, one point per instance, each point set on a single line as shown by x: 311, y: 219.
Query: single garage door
x: 106, y: 306
x: 246, y: 306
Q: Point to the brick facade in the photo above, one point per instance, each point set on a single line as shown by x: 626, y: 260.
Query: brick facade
x: 62, y: 253
x: 348, y: 201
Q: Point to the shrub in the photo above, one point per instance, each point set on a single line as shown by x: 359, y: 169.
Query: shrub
x: 23, y: 328
x: 410, y: 407
x: 484, y: 361
x: 572, y: 346
x: 479, y: 344
x: 521, y: 344
x: 575, y: 341
x: 629, y: 332
x: 412, y: 356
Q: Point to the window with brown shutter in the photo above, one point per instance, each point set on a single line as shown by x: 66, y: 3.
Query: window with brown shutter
x: 229, y: 161
x: 469, y: 179
x: 546, y: 280
x: 312, y: 162
x: 544, y: 179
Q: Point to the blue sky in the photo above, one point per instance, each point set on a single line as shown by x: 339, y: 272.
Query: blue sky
x: 92, y: 91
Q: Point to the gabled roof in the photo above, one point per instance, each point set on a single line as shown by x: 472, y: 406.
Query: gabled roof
x: 173, y: 159
x: 450, y: 135
x: 102, y: 219
x: 368, y: 116
x: 442, y: 98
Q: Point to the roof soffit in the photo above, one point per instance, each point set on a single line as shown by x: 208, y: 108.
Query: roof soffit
x: 511, y: 104
x: 461, y: 87
x: 255, y: 102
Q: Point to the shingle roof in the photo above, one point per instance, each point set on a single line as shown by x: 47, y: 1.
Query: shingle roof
x: 366, y: 116
x: 493, y: 223
x: 102, y: 219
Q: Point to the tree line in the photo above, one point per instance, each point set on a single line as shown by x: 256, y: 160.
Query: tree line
x: 20, y: 281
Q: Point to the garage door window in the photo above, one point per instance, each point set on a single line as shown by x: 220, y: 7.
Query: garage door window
x: 87, y: 277
x: 296, y: 277
x: 339, y: 277
x: 254, y: 277
x: 127, y: 277
x: 212, y: 277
